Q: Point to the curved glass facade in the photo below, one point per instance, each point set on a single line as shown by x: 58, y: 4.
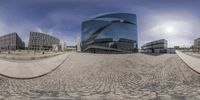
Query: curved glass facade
x: 110, y: 33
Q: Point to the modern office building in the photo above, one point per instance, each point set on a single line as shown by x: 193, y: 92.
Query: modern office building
x: 11, y: 41
x: 158, y: 46
x: 42, y: 41
x: 110, y: 33
x: 196, y: 47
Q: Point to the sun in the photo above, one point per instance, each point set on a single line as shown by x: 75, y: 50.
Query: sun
x: 169, y: 29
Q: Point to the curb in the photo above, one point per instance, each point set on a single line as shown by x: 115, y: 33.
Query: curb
x: 28, y: 58
x: 190, y: 65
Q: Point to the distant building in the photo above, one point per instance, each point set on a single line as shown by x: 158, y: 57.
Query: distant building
x: 196, y: 47
x: 59, y: 47
x: 110, y: 33
x: 71, y: 48
x: 158, y: 46
x: 42, y: 41
x: 11, y: 41
x: 78, y: 44
x: 55, y: 47
x: 63, y: 46
x: 177, y: 47
x: 171, y: 50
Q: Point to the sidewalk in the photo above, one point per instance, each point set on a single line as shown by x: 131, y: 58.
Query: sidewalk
x: 31, y: 69
x: 27, y: 57
x: 192, y: 62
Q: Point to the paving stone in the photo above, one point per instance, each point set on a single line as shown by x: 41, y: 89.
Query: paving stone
x: 85, y: 76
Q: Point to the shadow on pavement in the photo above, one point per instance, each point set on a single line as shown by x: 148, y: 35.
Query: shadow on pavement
x: 153, y: 54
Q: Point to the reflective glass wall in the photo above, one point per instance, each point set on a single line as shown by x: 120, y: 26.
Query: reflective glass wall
x: 110, y: 33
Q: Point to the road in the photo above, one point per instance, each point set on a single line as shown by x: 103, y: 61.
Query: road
x: 86, y: 76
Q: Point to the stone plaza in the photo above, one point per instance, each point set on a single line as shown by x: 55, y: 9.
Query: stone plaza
x: 84, y: 76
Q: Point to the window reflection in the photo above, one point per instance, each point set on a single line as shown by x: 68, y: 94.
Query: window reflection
x: 110, y: 33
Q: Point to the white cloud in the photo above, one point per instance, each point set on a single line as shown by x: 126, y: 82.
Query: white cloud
x: 3, y: 28
x: 178, y: 30
x: 37, y: 29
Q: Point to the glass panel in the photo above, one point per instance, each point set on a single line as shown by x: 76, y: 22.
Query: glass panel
x: 114, y: 32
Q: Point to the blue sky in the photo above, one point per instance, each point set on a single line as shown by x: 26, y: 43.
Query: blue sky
x: 175, y: 20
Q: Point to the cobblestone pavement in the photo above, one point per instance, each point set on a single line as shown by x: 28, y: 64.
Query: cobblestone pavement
x: 109, y: 77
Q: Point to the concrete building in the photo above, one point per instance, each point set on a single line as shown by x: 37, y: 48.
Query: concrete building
x: 158, y: 46
x: 110, y: 33
x: 59, y: 47
x: 78, y: 44
x: 55, y: 47
x: 11, y: 41
x: 196, y: 47
x: 63, y: 46
x: 42, y: 41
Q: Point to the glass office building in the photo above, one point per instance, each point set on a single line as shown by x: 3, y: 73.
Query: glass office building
x: 110, y: 33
